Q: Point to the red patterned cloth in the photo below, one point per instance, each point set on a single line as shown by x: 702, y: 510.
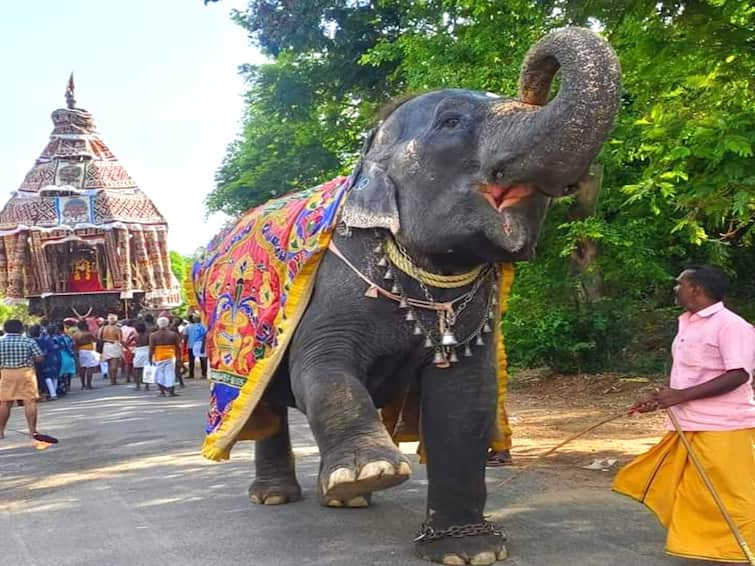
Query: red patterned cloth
x: 84, y: 277
x: 252, y: 288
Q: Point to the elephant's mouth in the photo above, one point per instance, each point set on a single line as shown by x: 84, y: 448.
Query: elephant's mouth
x: 503, y: 197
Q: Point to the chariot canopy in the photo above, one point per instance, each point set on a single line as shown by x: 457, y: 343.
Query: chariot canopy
x: 78, y: 234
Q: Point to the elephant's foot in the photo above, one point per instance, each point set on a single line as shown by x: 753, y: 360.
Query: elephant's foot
x: 347, y: 484
x: 462, y: 550
x: 275, y: 491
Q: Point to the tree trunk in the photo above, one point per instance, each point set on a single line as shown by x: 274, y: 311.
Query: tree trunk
x: 581, y: 262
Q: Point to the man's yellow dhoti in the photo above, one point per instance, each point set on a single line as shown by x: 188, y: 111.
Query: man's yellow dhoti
x: 666, y: 481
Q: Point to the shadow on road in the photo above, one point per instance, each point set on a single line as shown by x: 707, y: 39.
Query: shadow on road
x: 126, y: 485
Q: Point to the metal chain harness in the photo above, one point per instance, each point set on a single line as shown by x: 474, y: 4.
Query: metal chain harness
x: 427, y: 533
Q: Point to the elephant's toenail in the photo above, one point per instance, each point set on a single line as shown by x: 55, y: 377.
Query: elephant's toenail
x: 483, y: 559
x: 341, y: 475
x: 377, y: 469
x: 358, y: 501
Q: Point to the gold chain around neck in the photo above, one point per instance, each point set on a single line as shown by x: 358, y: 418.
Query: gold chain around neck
x: 403, y: 263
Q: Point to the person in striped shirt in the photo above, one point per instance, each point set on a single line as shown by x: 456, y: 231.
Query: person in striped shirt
x: 18, y: 380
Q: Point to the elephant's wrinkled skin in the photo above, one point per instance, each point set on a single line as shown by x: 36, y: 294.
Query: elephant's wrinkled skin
x: 460, y: 179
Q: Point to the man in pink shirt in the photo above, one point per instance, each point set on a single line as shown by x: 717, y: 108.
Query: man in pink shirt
x: 710, y: 392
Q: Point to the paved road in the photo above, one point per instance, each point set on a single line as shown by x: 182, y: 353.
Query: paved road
x: 126, y: 486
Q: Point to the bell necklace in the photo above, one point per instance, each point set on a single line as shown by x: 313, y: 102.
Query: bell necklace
x: 393, y: 257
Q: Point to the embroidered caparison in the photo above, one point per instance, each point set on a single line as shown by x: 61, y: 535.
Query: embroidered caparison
x: 252, y: 287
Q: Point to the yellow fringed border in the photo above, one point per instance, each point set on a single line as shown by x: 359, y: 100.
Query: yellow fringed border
x: 502, y: 436
x: 190, y: 293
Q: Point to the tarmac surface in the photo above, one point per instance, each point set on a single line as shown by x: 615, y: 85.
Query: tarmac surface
x: 126, y: 486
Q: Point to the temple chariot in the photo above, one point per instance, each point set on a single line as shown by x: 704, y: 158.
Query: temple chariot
x: 79, y: 238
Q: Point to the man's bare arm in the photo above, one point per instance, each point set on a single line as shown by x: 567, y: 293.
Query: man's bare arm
x: 720, y: 385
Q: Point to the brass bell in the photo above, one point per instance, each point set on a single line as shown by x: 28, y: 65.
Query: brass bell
x: 453, y: 358
x: 491, y: 314
x: 467, y: 351
x: 388, y: 274
x: 439, y: 359
x: 395, y: 289
x: 410, y: 316
x: 371, y: 292
x: 418, y: 331
x: 486, y: 329
x: 402, y: 304
x: 377, y: 249
x: 428, y: 342
x: 383, y: 262
x: 448, y: 339
x: 479, y: 341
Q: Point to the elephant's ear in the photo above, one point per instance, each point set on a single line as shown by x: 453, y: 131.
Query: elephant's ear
x: 371, y: 202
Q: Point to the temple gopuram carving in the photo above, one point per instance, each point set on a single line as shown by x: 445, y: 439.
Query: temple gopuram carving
x: 79, y: 237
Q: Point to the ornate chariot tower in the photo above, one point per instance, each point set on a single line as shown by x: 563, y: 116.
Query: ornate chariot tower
x: 79, y: 237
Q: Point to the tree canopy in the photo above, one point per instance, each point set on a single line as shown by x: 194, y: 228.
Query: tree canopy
x: 678, y: 182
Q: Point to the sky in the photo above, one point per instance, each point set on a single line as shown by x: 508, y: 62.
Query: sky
x: 160, y: 78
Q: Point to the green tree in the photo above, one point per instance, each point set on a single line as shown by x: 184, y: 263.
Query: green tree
x: 677, y: 183
x: 307, y: 109
x: 17, y: 311
x: 683, y: 147
x: 180, y: 265
x: 677, y: 187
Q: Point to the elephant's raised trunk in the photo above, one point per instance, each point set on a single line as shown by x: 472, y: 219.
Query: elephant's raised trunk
x: 551, y: 146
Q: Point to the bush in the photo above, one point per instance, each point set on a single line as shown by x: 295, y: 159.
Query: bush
x: 628, y: 329
x: 567, y: 338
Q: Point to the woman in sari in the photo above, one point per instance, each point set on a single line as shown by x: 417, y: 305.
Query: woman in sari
x: 49, y: 367
x: 64, y: 344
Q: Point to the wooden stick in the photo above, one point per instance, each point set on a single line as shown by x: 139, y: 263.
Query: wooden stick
x: 706, y: 480
x: 550, y: 451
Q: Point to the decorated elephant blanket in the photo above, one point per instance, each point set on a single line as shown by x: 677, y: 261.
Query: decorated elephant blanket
x: 252, y: 287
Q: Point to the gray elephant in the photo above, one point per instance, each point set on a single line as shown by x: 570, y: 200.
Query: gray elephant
x: 391, y: 292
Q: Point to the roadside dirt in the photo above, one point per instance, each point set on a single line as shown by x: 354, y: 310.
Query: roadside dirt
x: 545, y: 410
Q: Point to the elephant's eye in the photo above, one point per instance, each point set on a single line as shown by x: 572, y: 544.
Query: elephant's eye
x: 451, y: 122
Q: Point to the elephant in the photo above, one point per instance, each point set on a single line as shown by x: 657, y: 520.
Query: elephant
x: 450, y: 185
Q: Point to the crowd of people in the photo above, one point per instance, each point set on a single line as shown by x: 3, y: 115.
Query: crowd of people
x: 41, y: 361
x: 144, y: 350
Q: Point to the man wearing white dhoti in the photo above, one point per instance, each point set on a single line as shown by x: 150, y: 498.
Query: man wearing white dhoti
x: 84, y: 342
x: 112, y: 346
x: 164, y: 350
